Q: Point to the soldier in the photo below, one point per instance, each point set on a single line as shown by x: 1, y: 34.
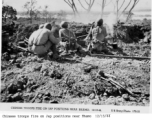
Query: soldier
x: 43, y: 40
x: 99, y: 36
x: 69, y: 37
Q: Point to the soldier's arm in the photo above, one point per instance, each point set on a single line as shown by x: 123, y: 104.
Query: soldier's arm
x: 60, y: 34
x: 53, y: 39
x: 63, y: 36
x: 105, y: 32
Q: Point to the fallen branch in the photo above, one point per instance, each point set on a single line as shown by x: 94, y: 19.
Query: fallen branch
x: 109, y: 75
x: 95, y: 90
x: 24, y: 49
x: 118, y: 85
x: 21, y: 48
x: 66, y: 78
x: 33, y: 100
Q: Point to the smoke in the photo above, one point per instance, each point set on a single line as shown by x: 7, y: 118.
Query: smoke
x: 110, y: 21
x: 82, y: 18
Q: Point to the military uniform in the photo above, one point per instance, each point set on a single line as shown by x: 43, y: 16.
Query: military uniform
x: 41, y: 41
x: 69, y: 37
x: 98, y: 35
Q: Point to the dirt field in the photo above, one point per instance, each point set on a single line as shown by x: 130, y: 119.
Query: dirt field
x: 27, y: 79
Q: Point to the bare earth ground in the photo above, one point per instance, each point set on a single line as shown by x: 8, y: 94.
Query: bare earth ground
x: 28, y: 79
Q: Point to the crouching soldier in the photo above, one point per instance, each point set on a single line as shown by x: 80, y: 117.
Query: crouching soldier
x: 69, y: 37
x: 99, y: 36
x: 42, y: 41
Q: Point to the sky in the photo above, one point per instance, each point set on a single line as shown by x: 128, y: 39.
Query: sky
x: 58, y: 5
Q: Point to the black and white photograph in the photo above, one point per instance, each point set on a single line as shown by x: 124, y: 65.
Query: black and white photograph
x: 76, y: 52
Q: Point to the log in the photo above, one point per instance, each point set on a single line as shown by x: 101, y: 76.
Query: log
x: 24, y: 49
x: 110, y: 82
x: 125, y: 57
x: 118, y: 85
x: 108, y: 75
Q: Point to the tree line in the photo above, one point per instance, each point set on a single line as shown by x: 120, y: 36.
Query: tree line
x: 33, y: 11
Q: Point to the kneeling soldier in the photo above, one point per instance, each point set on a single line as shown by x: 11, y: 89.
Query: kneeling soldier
x: 69, y: 37
x: 43, y: 40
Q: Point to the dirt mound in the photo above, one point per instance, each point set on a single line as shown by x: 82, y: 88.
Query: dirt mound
x: 25, y: 31
x: 134, y: 32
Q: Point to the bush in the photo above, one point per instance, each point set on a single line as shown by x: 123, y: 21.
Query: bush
x: 129, y: 33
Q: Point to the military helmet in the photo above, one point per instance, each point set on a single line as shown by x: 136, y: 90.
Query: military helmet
x: 48, y: 26
x: 64, y: 24
x: 99, y: 22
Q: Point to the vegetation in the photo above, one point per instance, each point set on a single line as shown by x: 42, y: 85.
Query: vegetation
x: 9, y: 12
x: 71, y: 3
x: 32, y: 10
x: 89, y: 4
x: 127, y: 10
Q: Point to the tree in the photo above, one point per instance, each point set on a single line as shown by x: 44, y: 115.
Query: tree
x: 61, y: 15
x: 89, y: 4
x: 31, y: 9
x: 71, y: 3
x: 119, y: 7
x: 36, y: 14
x: 130, y: 11
x: 9, y: 12
x: 45, y: 12
x: 2, y: 2
x: 103, y: 5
